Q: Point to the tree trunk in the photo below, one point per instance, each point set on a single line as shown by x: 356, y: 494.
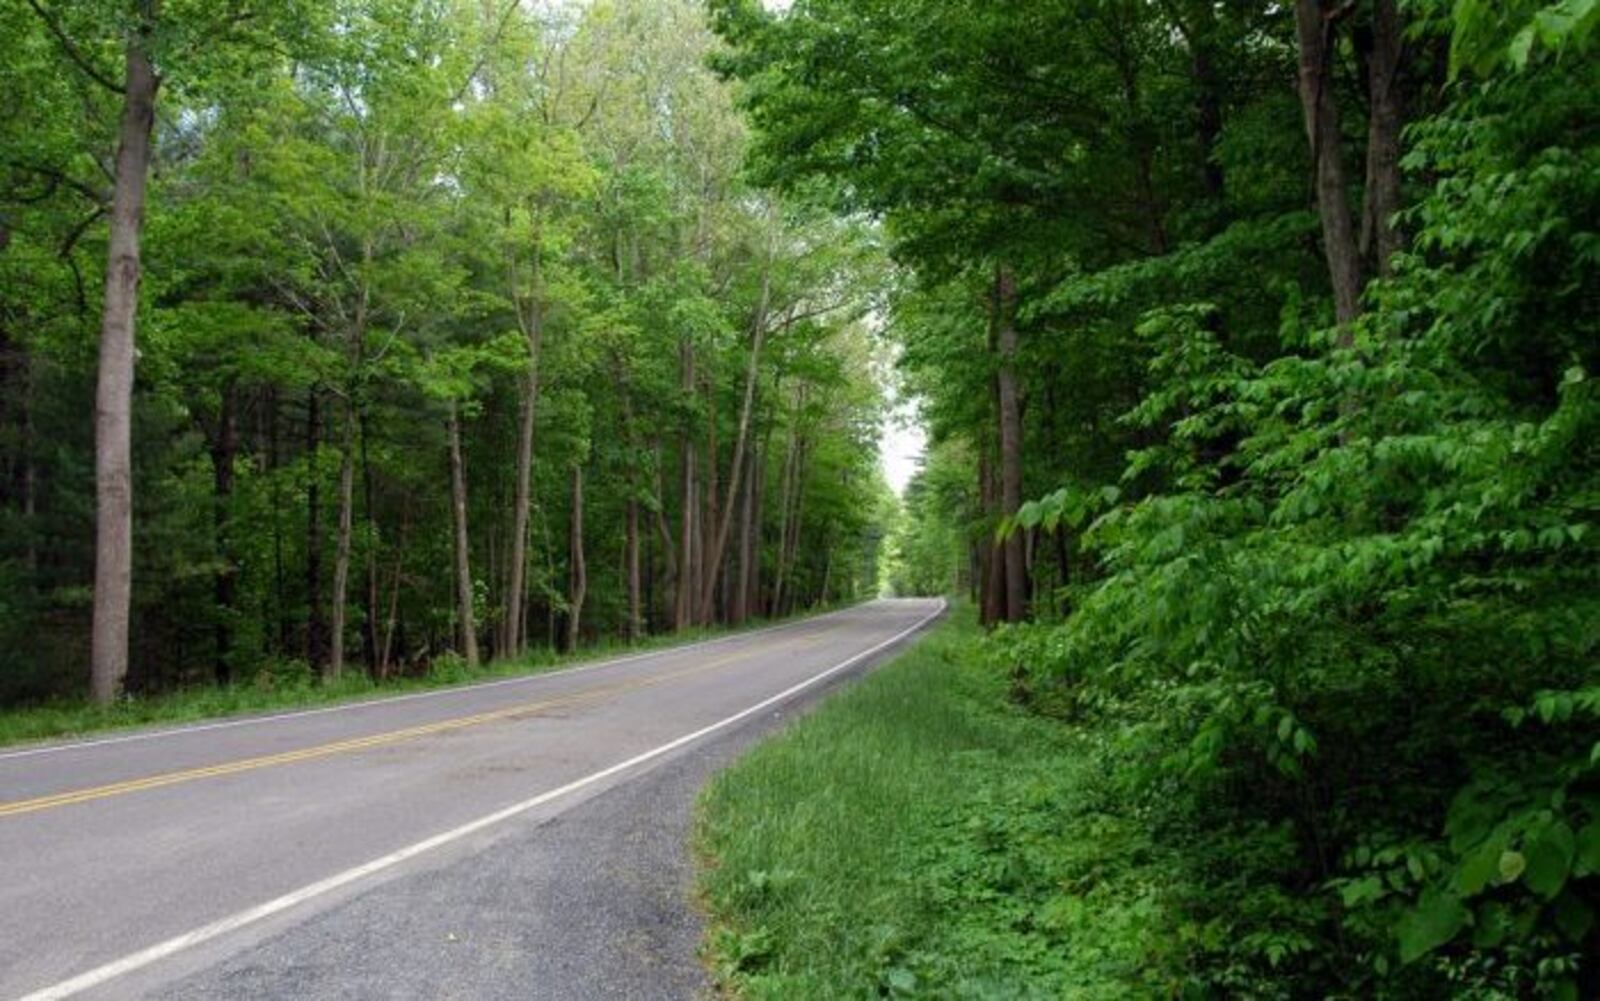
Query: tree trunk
x: 1314, y: 23
x: 758, y: 492
x: 630, y: 569
x: 684, y: 598
x: 458, y: 510
x: 669, y: 548
x: 341, y: 557
x: 740, y: 608
x: 579, y: 570
x: 369, y: 601
x: 706, y: 525
x: 316, y: 626
x: 224, y: 450
x: 1381, y: 238
x: 785, y: 490
x: 530, y: 316
x: 720, y: 539
x: 1016, y: 604
x: 113, y: 425
x: 513, y: 641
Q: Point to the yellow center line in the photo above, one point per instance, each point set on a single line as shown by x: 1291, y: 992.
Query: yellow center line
x: 576, y: 699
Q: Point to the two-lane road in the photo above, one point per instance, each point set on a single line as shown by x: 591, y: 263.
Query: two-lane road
x: 134, y: 864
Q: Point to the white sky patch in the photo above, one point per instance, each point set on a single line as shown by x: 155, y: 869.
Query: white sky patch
x: 900, y: 449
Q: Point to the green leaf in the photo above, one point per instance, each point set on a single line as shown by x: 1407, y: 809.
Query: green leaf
x: 1520, y: 47
x: 1512, y: 864
x: 1550, y: 859
x: 1479, y: 867
x: 1586, y: 854
x: 1436, y: 919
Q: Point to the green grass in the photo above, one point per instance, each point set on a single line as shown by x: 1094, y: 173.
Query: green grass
x: 295, y: 687
x: 918, y: 836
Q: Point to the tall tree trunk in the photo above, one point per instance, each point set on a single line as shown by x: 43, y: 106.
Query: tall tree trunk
x: 740, y: 608
x: 530, y: 316
x: 785, y: 490
x: 1016, y: 605
x: 316, y: 626
x: 369, y: 600
x: 578, y: 587
x: 458, y: 511
x: 669, y: 556
x: 341, y: 556
x: 1381, y: 238
x: 513, y: 641
x: 706, y: 525
x: 224, y: 450
x: 113, y: 424
x: 1315, y: 21
x: 630, y: 542
x: 687, y: 555
x: 720, y: 539
x: 758, y: 492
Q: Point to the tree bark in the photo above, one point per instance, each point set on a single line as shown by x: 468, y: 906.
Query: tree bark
x: 369, y: 601
x: 684, y: 597
x: 706, y: 525
x: 720, y: 540
x: 740, y: 607
x: 1016, y: 574
x: 458, y: 510
x: 630, y: 569
x: 579, y: 570
x: 1381, y: 237
x: 113, y: 570
x: 1314, y: 23
x: 341, y: 557
x: 316, y: 626
x: 785, y: 490
x: 530, y: 316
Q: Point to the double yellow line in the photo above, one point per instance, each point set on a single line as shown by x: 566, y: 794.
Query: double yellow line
x: 581, y: 698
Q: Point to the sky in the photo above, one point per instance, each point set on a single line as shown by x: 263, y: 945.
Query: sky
x: 900, y: 448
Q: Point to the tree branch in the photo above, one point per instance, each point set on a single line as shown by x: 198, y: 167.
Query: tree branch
x: 72, y: 50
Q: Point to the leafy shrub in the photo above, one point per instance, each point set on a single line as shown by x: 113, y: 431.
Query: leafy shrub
x: 1352, y: 602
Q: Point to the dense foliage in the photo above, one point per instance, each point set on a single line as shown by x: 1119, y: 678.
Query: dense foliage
x: 457, y: 327
x: 1284, y: 316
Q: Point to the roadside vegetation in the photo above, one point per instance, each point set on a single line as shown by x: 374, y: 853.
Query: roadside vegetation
x: 1258, y: 345
x: 922, y: 836
x: 294, y: 685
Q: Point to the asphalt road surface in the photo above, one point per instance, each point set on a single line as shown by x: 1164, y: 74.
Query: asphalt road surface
x: 517, y: 839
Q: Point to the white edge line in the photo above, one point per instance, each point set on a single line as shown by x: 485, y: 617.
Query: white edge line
x: 178, y: 731
x: 176, y: 944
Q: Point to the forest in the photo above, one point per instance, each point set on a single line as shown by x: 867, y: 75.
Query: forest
x: 393, y: 336
x: 1257, y: 345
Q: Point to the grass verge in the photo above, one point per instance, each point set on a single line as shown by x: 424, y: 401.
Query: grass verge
x: 295, y: 686
x: 918, y: 836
